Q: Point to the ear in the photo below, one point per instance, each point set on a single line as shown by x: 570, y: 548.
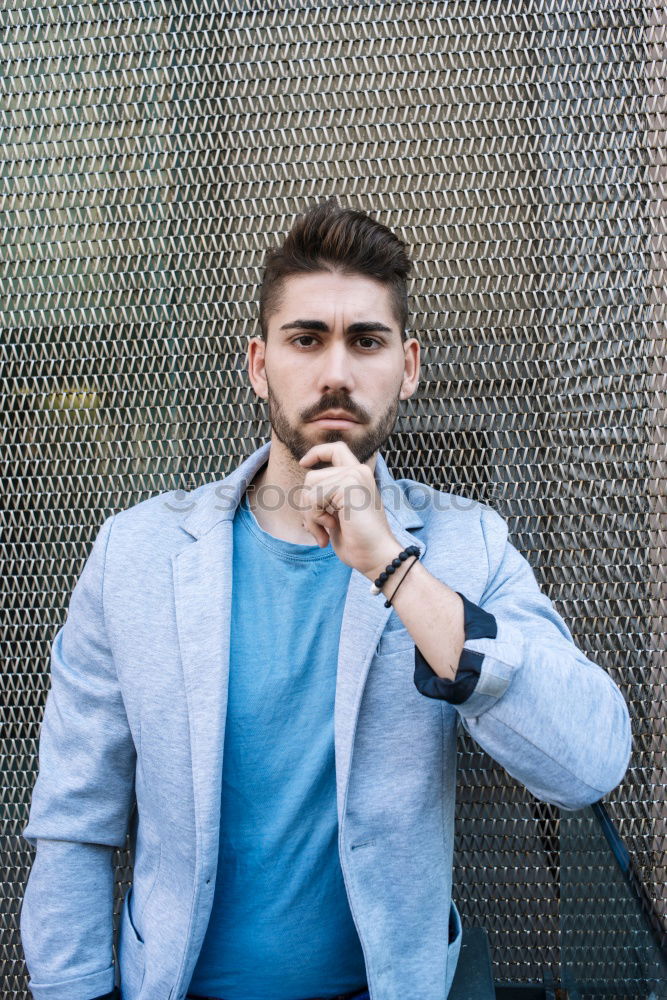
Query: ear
x: 256, y: 366
x: 411, y: 351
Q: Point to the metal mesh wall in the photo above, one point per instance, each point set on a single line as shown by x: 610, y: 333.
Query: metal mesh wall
x: 151, y: 151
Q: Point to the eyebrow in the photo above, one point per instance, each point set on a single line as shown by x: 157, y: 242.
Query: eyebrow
x: 317, y: 324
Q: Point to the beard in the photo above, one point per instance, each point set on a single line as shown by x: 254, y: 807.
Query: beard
x: 362, y: 446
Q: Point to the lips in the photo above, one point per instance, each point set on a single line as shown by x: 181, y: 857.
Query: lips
x: 330, y: 416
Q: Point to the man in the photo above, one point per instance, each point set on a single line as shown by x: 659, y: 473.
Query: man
x: 279, y: 737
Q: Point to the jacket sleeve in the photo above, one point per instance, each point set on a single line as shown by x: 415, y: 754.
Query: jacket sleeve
x: 80, y: 806
x: 528, y: 695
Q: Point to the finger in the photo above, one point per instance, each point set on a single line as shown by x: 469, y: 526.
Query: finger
x: 336, y: 452
x: 329, y: 526
x: 317, y: 477
x: 318, y: 530
x: 322, y: 499
x: 332, y: 526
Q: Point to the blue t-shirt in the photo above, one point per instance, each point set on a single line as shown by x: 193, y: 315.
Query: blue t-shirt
x: 281, y: 926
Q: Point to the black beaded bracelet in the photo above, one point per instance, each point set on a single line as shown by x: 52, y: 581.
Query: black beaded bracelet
x: 376, y: 586
x: 387, y: 603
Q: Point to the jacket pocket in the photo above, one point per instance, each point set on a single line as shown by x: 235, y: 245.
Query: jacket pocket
x: 147, y: 895
x: 454, y: 945
x: 396, y: 641
x: 131, y: 952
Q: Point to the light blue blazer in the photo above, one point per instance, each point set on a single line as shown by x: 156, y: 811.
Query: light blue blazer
x: 133, y: 731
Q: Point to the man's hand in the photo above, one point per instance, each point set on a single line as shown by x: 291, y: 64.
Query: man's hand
x: 342, y: 504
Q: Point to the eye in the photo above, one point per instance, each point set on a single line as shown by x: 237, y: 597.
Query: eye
x: 309, y: 336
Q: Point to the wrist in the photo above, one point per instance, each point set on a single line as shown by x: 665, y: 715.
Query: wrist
x: 389, y: 553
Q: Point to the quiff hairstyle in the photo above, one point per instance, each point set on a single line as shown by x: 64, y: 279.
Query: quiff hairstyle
x: 330, y: 238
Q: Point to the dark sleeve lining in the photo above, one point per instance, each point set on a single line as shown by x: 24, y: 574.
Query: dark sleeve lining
x: 477, y: 624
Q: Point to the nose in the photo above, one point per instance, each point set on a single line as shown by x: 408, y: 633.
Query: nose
x: 336, y: 368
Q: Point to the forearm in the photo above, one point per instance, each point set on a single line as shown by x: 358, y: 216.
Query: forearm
x: 67, y: 921
x: 81, y: 803
x: 554, y: 719
x: 430, y: 610
x: 551, y: 717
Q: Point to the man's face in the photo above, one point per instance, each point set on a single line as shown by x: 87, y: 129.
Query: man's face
x: 333, y: 344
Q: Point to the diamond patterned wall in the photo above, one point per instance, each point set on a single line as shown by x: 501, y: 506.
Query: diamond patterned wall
x: 151, y: 151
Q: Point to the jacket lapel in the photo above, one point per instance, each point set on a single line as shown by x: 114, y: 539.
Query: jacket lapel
x: 202, y: 573
x: 202, y: 583
x: 364, y: 619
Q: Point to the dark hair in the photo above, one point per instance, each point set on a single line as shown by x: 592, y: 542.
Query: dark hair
x: 327, y: 238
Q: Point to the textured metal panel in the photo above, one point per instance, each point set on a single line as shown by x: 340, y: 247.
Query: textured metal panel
x: 151, y: 151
